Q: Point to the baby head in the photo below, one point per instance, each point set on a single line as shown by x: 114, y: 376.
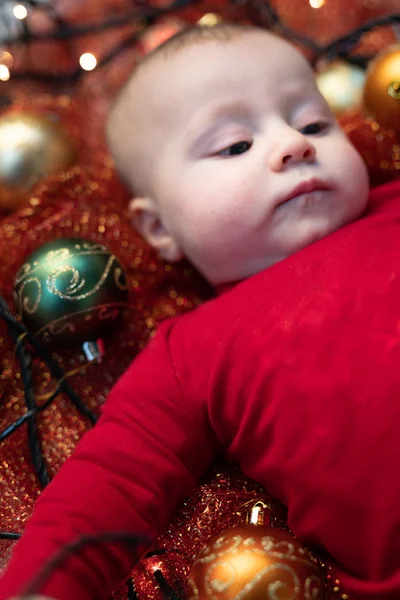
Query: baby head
x: 234, y: 157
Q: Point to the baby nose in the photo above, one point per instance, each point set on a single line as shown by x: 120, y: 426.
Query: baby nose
x: 294, y: 148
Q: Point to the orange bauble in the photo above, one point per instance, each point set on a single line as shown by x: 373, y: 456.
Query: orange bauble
x: 382, y: 88
x: 255, y: 562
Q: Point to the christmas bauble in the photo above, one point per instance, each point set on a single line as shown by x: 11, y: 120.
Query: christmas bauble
x: 160, y: 33
x: 70, y: 290
x: 254, y: 562
x: 382, y: 88
x: 31, y: 147
x: 341, y: 84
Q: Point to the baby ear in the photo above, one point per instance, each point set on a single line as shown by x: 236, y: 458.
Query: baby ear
x: 147, y: 220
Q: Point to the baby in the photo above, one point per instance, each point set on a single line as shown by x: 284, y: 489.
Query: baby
x: 234, y: 156
x: 238, y: 164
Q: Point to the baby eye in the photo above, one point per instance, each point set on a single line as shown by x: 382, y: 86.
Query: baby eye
x: 235, y: 149
x: 315, y: 128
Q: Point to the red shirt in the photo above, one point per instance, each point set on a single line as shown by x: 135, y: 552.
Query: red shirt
x: 296, y: 373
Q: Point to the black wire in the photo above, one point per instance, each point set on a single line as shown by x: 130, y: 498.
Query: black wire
x: 25, y: 361
x: 147, y: 15
x: 72, y: 31
x: 75, y: 76
x: 343, y: 45
x: 273, y: 21
x: 339, y: 48
x: 64, y: 386
x: 52, y: 364
x: 132, y: 595
x: 66, y: 30
x: 166, y: 589
x: 28, y: 415
x: 20, y: 336
x: 9, y: 535
x: 74, y: 548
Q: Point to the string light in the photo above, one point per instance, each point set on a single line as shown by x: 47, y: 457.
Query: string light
x: 6, y: 59
x: 209, y: 20
x: 340, y: 47
x: 4, y: 73
x: 20, y: 11
x: 88, y: 61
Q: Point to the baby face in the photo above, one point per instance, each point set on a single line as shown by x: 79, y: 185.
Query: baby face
x: 250, y: 165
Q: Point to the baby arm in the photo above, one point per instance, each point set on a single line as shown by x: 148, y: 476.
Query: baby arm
x: 129, y: 472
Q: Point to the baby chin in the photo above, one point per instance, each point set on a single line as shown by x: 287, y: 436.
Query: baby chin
x: 314, y: 227
x: 309, y: 201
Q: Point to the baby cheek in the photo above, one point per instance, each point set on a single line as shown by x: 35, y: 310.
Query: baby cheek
x: 357, y: 170
x: 353, y: 183
x: 222, y: 199
x: 217, y: 202
x: 348, y: 165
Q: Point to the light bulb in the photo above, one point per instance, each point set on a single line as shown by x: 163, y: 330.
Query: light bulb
x: 20, y: 11
x: 4, y: 73
x: 88, y: 61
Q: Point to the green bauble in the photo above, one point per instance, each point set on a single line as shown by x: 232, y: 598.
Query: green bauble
x: 71, y: 291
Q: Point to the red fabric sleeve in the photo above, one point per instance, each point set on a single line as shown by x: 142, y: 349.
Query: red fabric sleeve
x: 128, y: 473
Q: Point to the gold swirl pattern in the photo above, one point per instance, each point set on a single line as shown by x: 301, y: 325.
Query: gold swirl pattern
x: 250, y: 562
x: 54, y: 327
x: 60, y: 254
x: 57, y: 328
x: 272, y: 588
x: 91, y: 246
x: 108, y: 313
x: 312, y: 588
x: 74, y: 286
x: 213, y: 584
x: 120, y: 279
x: 23, y: 301
x: 22, y: 272
x: 232, y: 543
x: 271, y: 546
x: 268, y: 544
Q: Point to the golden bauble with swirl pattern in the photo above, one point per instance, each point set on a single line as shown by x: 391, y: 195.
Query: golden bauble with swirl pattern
x: 382, y: 88
x: 31, y: 148
x: 71, y: 291
x: 255, y: 562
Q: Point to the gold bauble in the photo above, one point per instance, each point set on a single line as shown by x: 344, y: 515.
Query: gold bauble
x: 382, y: 88
x: 341, y: 84
x: 255, y: 562
x: 31, y: 148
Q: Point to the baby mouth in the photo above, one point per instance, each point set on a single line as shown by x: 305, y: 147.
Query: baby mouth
x: 306, y: 188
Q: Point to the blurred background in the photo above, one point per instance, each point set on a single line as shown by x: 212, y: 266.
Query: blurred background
x: 66, y: 59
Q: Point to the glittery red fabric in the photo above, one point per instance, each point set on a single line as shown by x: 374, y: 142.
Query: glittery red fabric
x: 89, y: 202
